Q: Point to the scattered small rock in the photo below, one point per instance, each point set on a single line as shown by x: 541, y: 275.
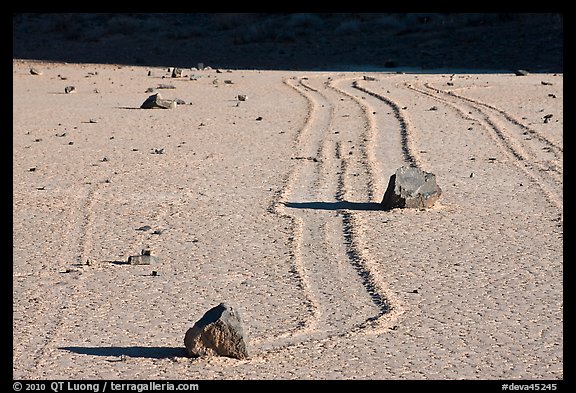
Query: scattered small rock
x: 369, y: 78
x: 158, y: 151
x: 259, y: 118
x: 552, y: 95
x: 314, y: 159
x: 242, y: 97
x: 144, y: 228
x: 411, y: 187
x: 32, y: 169
x: 228, y: 82
x: 521, y: 72
x: 547, y: 118
x: 433, y: 108
x: 163, y: 86
x: 69, y: 89
x: 546, y: 83
x: 177, y: 73
x: 34, y: 71
x: 219, y: 332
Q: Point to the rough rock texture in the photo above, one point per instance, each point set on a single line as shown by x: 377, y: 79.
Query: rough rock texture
x: 411, y: 187
x: 218, y: 332
x: 156, y: 101
x: 144, y: 259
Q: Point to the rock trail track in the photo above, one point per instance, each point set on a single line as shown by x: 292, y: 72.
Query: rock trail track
x: 338, y: 173
x: 530, y: 151
x: 329, y: 257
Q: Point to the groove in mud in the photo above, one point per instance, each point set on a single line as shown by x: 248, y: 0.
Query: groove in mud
x: 352, y: 250
x: 554, y: 147
x: 367, y: 140
x: 404, y: 129
x: 503, y: 141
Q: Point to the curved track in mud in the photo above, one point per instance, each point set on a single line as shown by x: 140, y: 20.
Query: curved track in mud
x: 336, y: 175
x: 530, y: 151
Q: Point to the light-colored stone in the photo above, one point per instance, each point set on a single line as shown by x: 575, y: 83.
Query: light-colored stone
x: 156, y: 101
x: 143, y: 259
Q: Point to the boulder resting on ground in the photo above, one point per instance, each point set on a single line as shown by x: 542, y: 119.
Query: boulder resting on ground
x: 218, y: 332
x: 156, y: 101
x: 411, y: 187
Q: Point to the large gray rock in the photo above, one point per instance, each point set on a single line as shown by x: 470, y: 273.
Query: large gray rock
x: 411, y: 187
x: 156, y: 101
x: 218, y: 332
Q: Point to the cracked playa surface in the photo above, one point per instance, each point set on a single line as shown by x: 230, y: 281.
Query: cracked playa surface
x: 328, y: 285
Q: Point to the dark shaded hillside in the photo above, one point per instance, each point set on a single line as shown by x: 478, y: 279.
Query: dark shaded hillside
x: 296, y: 41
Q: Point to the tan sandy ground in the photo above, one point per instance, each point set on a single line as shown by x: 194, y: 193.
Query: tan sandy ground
x: 278, y: 216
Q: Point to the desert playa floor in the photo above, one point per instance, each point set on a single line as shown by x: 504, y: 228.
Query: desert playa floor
x: 271, y: 205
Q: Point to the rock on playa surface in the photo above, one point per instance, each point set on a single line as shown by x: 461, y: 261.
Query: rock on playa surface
x: 156, y: 101
x: 218, y: 332
x: 144, y: 259
x: 411, y: 187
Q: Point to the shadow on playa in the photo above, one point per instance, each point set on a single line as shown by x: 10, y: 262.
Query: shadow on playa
x: 133, y: 352
x: 341, y: 205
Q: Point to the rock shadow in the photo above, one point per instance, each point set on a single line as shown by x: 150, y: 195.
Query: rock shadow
x: 133, y: 352
x: 340, y: 205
